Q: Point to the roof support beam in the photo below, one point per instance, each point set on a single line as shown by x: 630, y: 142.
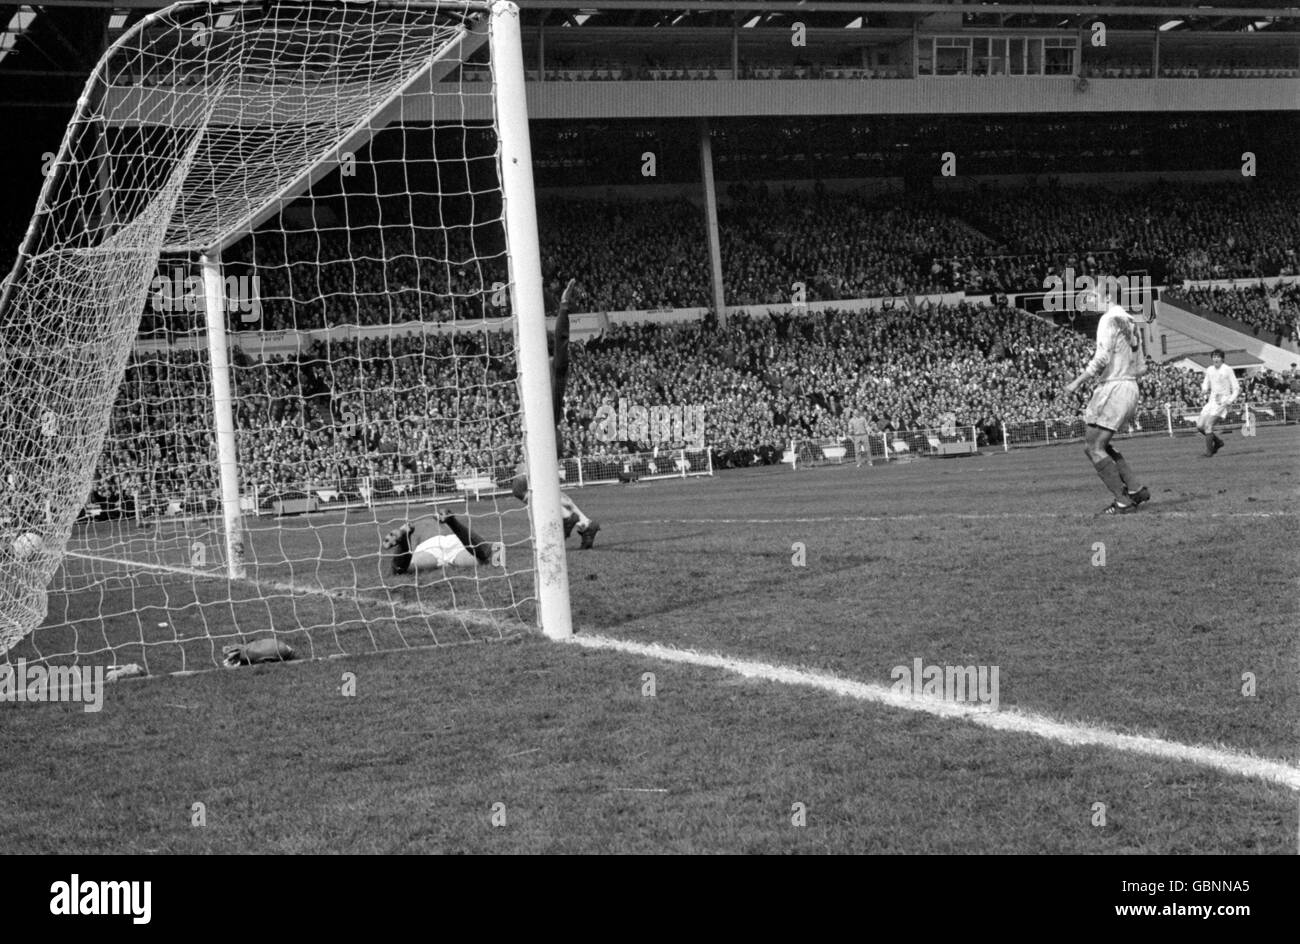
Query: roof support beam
x: 755, y: 6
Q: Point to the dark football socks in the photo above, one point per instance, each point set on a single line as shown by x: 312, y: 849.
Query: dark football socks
x: 480, y: 549
x: 1108, y: 469
x: 1125, y: 473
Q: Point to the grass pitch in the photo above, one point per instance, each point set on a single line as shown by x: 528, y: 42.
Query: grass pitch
x: 1153, y: 624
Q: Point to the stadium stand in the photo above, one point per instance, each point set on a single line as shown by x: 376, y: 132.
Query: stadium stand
x: 760, y: 381
x: 1271, y: 312
x: 645, y: 254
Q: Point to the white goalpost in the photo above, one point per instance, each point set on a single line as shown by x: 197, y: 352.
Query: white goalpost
x: 281, y: 294
x: 214, y: 310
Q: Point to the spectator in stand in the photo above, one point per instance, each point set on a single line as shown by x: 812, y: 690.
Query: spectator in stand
x: 775, y: 246
x: 410, y: 403
x: 1272, y: 311
x: 384, y: 408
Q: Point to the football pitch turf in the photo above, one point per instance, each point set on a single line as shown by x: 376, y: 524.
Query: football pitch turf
x: 1177, y: 623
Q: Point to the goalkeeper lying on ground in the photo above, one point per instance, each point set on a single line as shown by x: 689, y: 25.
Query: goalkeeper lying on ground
x: 424, y: 545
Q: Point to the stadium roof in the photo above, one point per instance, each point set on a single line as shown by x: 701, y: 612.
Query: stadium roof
x: 48, y: 49
x: 1221, y: 14
x: 1132, y: 6
x: 1161, y: 14
x: 50, y: 35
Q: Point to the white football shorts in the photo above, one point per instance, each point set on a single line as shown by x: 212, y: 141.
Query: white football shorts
x: 1213, y: 410
x: 446, y: 551
x: 1113, y: 405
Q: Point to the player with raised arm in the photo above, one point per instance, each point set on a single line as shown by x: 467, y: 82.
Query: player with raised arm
x: 1116, y: 366
x: 424, y: 545
x: 571, y: 514
x: 1221, y: 388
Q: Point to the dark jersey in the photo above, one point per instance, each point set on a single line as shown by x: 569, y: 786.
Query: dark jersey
x: 560, y: 364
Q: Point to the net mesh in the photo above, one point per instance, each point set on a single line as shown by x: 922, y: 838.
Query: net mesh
x: 325, y: 154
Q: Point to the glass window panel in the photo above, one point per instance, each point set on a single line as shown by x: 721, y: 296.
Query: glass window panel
x: 998, y: 57
x: 925, y: 57
x: 1017, y: 56
x: 1059, y: 61
x: 952, y: 61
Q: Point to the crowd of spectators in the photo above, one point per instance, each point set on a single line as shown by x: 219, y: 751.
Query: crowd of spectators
x: 778, y: 244
x: 890, y: 149
x: 371, y: 275
x: 1178, y: 231
x: 345, y: 410
x: 415, y: 405
x: 628, y: 256
x: 841, y: 246
x: 159, y: 435
x: 1270, y: 311
x: 411, y: 403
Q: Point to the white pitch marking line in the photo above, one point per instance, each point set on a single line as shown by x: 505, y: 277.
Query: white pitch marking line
x: 1018, y: 722
x: 961, y: 516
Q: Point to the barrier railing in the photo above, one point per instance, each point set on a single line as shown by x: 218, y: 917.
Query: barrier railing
x: 1171, y: 421
x: 889, y: 446
x: 369, y: 491
x: 630, y: 467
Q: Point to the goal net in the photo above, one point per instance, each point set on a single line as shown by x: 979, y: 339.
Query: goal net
x: 280, y: 296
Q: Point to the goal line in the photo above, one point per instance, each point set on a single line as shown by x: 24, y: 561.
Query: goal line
x: 1013, y: 722
x: 962, y: 516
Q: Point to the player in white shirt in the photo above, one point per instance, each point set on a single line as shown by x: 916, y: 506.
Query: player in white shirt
x: 1116, y: 367
x: 1221, y: 388
x: 424, y: 545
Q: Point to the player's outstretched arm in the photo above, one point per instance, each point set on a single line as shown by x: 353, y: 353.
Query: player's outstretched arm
x: 562, y: 327
x: 567, y: 298
x: 560, y: 359
x: 1100, y: 358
